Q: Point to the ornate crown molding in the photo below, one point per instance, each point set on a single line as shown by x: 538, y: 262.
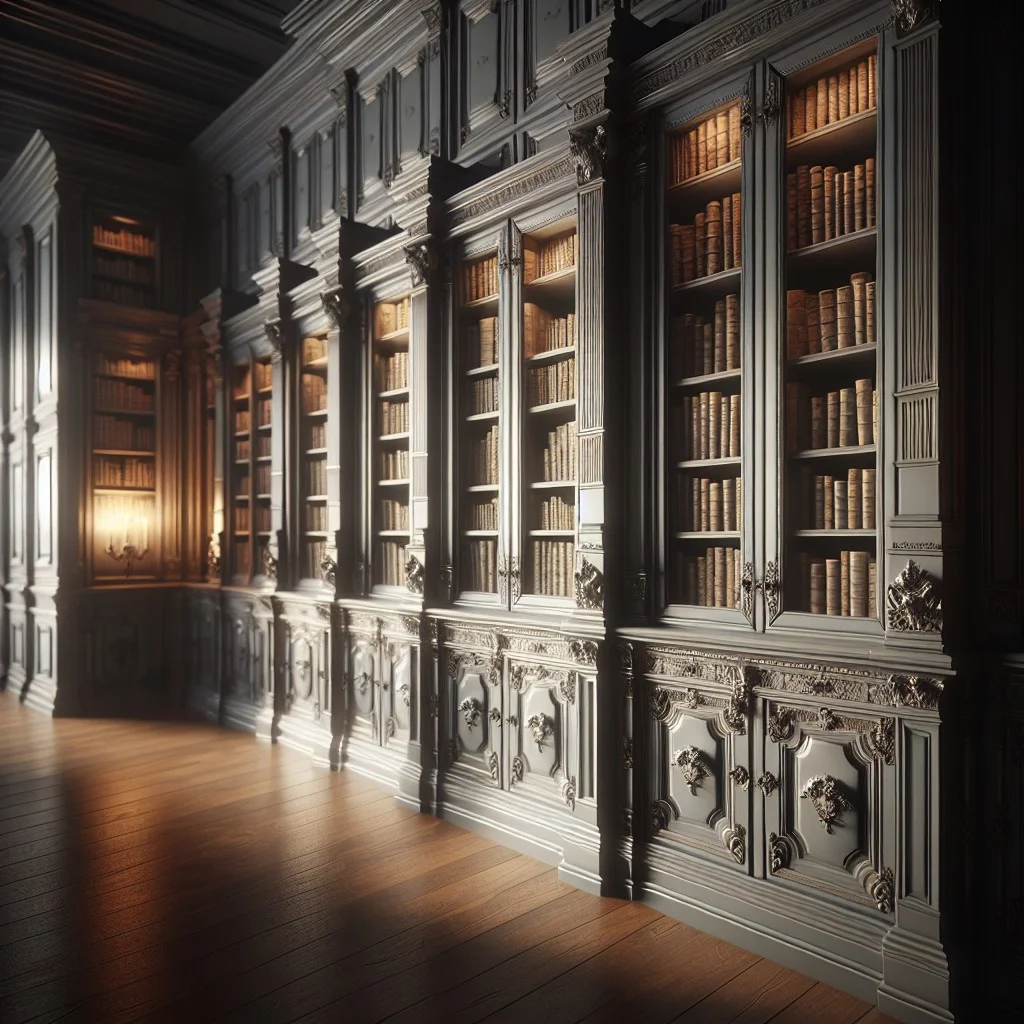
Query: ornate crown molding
x: 913, y: 601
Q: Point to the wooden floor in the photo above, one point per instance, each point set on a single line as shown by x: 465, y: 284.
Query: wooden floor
x: 176, y: 872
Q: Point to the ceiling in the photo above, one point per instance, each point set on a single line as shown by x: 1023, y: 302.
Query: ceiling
x: 145, y: 76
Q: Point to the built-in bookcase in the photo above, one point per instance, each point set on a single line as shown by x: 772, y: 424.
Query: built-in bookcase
x: 241, y: 472
x: 481, y: 433
x: 548, y: 387
x: 831, y: 335
x: 704, y: 372
x: 313, y: 447
x: 124, y: 262
x: 263, y: 386
x: 124, y: 463
x: 390, y: 389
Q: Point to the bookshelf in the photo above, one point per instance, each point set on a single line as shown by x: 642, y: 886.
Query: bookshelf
x: 704, y: 372
x: 549, y: 463
x: 481, y: 432
x: 241, y: 474
x: 391, y: 425
x: 124, y: 461
x: 830, y: 355
x: 313, y: 459
x: 124, y: 262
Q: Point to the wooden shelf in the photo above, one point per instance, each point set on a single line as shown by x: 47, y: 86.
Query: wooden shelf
x: 393, y: 533
x: 488, y: 301
x: 263, y: 497
x: 265, y: 391
x: 402, y: 334
x: 126, y: 377
x: 853, y: 251
x: 314, y: 451
x: 482, y: 488
x: 836, y: 534
x: 123, y: 252
x: 840, y: 356
x: 480, y: 533
x: 552, y: 485
x: 315, y: 364
x: 568, y: 403
x: 482, y: 371
x: 266, y: 458
x: 242, y: 498
x: 482, y: 417
x: 846, y: 141
x: 552, y: 533
x: 124, y: 451
x: 318, y: 414
x: 242, y: 433
x: 556, y: 280
x: 316, y: 497
x: 725, y: 282
x: 124, y: 490
x: 850, y: 451
x: 732, y: 460
x: 388, y: 438
x: 709, y: 378
x: 393, y: 483
x: 394, y: 393
x: 708, y: 535
x: 314, y: 533
x: 123, y: 412
x: 715, y: 184
x: 552, y: 354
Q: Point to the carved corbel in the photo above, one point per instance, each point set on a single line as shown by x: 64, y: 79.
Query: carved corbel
x: 589, y: 582
x: 908, y: 15
x: 913, y: 601
x: 414, y: 575
x: 274, y: 331
x: 338, y: 306
x: 589, y: 148
x: 418, y: 259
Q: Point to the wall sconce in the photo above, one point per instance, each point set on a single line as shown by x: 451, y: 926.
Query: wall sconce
x: 128, y: 539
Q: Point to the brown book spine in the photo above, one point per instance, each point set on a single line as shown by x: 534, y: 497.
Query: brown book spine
x: 719, y: 345
x: 715, y: 505
x: 833, y: 587
x: 701, y: 237
x: 709, y: 583
x: 851, y: 74
x: 732, y: 332
x: 705, y: 441
x: 720, y: 577
x: 869, y: 192
x: 859, y: 584
x: 854, y: 493
x: 847, y: 417
x: 708, y: 345
x: 714, y: 424
x: 713, y: 233
x: 816, y: 603
x: 727, y: 253
x: 833, y: 99
x: 865, y: 432
x: 737, y: 229
x: 867, y: 499
x: 792, y: 202
x: 696, y: 418
x: 859, y: 284
x: 735, y: 136
x: 819, y: 422
x: 799, y: 114
x: 702, y: 580
x: 844, y: 316
x: 796, y: 323
x: 705, y: 505
x: 830, y: 201
x: 858, y: 198
x: 722, y: 136
x: 723, y: 430
x: 844, y: 95
x: 829, y: 494
x: 813, y: 317
x: 811, y: 106
x: 739, y: 504
x: 691, y: 153
x: 849, y: 202
x: 840, y: 521
x: 872, y: 80
x: 702, y: 147
x: 833, y: 419
x: 803, y: 209
x: 817, y: 179
x: 844, y: 585
x: 827, y: 319
x: 819, y: 502
x: 821, y: 95
x: 840, y: 204
x: 863, y: 100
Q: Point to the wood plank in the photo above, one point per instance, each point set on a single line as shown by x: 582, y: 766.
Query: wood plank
x: 754, y: 996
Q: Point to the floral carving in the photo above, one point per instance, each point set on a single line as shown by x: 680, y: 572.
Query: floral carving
x: 589, y: 582
x: 881, y: 890
x: 569, y: 792
x: 627, y: 753
x: 269, y: 564
x: 659, y: 704
x: 518, y: 769
x: 908, y: 14
x: 767, y: 784
x: 584, y: 652
x: 404, y: 695
x: 589, y: 147
x: 747, y: 591
x: 740, y: 776
x: 735, y: 838
x: 780, y: 725
x: 418, y: 259
x: 746, y: 112
x: 470, y: 709
x: 567, y: 689
x: 693, y: 764
x: 689, y: 698
x: 828, y: 720
x: 829, y: 801
x: 913, y: 601
x: 542, y: 727
x: 778, y: 853
x: 882, y: 740
x: 492, y: 765
x: 328, y: 570
x: 909, y: 691
x: 414, y: 575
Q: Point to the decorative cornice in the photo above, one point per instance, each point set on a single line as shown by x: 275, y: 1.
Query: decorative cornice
x: 520, y: 189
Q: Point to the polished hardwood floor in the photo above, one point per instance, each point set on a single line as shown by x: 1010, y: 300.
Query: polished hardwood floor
x: 172, y: 871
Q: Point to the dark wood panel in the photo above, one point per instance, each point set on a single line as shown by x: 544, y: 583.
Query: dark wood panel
x: 171, y: 871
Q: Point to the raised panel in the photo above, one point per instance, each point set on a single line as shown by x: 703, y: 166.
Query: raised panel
x: 44, y: 650
x: 401, y: 687
x: 44, y: 318
x: 484, y: 61
x: 44, y: 508
x: 327, y: 173
x: 364, y: 674
x: 17, y: 511
x: 302, y: 163
x: 410, y: 113
x: 19, y: 342
x: 476, y: 717
x: 371, y: 154
x: 553, y: 22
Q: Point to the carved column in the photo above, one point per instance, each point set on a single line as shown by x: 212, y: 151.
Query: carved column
x: 171, y: 517
x: 195, y: 487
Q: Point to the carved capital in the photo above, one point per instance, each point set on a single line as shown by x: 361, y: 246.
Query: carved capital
x: 418, y: 259
x: 274, y: 331
x: 338, y: 306
x: 913, y: 602
x: 589, y: 148
x: 589, y: 582
x: 414, y: 575
x: 908, y: 15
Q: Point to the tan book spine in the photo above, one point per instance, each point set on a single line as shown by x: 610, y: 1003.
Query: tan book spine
x: 872, y: 587
x: 719, y: 345
x: 847, y: 417
x: 712, y: 135
x: 865, y: 432
x: 722, y: 137
x: 727, y: 253
x: 691, y: 153
x: 872, y: 80
x: 844, y: 585
x: 854, y: 493
x: 840, y: 521
x: 821, y: 95
x: 819, y: 421
x: 829, y: 493
x: 739, y: 504
x: 735, y: 134
x: 851, y: 74
x: 827, y: 320
x: 792, y: 236
x: 840, y: 204
x: 803, y: 209
x: 714, y: 424
x: 867, y: 499
x: 715, y: 505
x: 859, y: 222
x: 696, y: 419
x: 811, y: 106
x: 833, y: 99
x: 813, y: 316
x: 832, y: 434
x: 844, y: 316
x: 732, y: 332
x: 705, y: 442
x: 734, y: 426
x: 709, y: 583
x: 849, y: 202
x: 874, y: 415
x: 830, y: 201
x: 859, y: 284
x: 737, y: 229
x: 688, y: 252
x: 816, y: 603
x: 817, y: 179
x: 859, y: 584
x: 863, y: 99
x: 869, y: 192
x: 833, y: 587
x: 729, y: 504
x: 720, y: 577
x: 819, y: 502
x: 730, y: 579
x: 702, y: 147
x: 799, y: 113
x: 844, y: 95
x: 713, y: 230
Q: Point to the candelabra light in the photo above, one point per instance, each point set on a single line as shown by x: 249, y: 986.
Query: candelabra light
x: 128, y: 541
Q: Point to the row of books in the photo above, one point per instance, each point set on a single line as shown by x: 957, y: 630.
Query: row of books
x: 394, y: 515
x: 825, y: 203
x: 483, y: 394
x: 393, y: 371
x: 543, y: 332
x: 263, y: 518
x: 313, y: 555
x: 240, y: 518
x: 242, y: 450
x: 480, y: 279
x: 262, y: 448
x: 110, y: 432
x: 832, y: 98
x: 713, y: 143
x: 241, y: 420
x: 264, y: 375
x: 483, y: 457
x: 314, y: 393
x: 128, y: 241
x: 134, y: 368
x: 391, y: 317
x: 712, y: 422
x: 482, y: 515
x: 243, y: 557
x: 125, y: 472
x: 314, y: 349
x: 560, y: 453
x: 395, y: 464
x: 845, y: 585
x: 118, y: 394
x: 831, y: 319
x: 394, y: 417
x: 549, y: 257
x: 130, y: 271
x: 122, y: 294
x: 711, y: 244
x: 316, y: 476
x: 709, y: 346
x: 842, y: 502
x: 553, y: 567
x: 555, y: 382
x: 481, y: 576
x: 838, y: 419
x: 316, y: 435
x: 715, y: 505
x: 262, y: 478
x: 262, y: 412
x: 712, y: 580
x: 557, y: 514
x: 241, y: 392
x: 392, y: 563
x: 316, y: 517
x: 481, y: 342
x: 241, y: 485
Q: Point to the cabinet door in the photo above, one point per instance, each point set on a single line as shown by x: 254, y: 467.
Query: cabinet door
x: 821, y: 134
x: 398, y: 694
x: 364, y: 676
x: 476, y: 718
x: 708, y: 358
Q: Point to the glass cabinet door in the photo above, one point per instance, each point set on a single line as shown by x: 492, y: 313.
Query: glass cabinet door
x: 313, y: 442
x: 704, y: 371
x: 241, y: 474
x: 263, y: 388
x: 480, y: 433
x: 828, y: 339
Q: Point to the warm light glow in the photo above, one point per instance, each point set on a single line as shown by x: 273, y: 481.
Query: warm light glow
x: 127, y: 531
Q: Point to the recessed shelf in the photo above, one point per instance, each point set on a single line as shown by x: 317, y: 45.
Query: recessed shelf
x: 314, y: 533
x: 264, y: 458
x: 394, y: 393
x: 552, y: 533
x: 702, y: 188
x: 403, y: 436
x: 851, y: 251
x: 316, y: 451
x: 315, y: 364
x: 732, y: 460
x: 849, y: 451
x: 708, y: 535
x: 242, y: 434
x: 850, y: 354
x: 552, y: 485
x: 853, y: 138
x: 568, y: 403
x: 835, y: 534
x: 725, y: 282
x: 393, y: 483
x: 392, y: 533
x: 552, y: 354
x: 124, y: 451
x: 563, y: 280
x: 482, y: 488
x: 316, y: 497
x: 124, y: 490
x: 265, y: 391
x: 480, y: 533
x: 482, y: 417
x: 402, y: 334
x: 709, y: 378
x: 316, y: 414
x: 487, y: 302
x: 482, y: 371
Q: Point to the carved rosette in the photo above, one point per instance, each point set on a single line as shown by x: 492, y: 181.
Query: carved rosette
x: 772, y: 590
x: 913, y: 601
x: 767, y: 784
x: 778, y: 853
x: 418, y: 259
x: 589, y: 149
x: 882, y: 740
x: 470, y: 711
x: 414, y: 575
x: 829, y: 801
x: 589, y: 582
x: 694, y: 766
x: 741, y: 777
x: 772, y: 101
x: 492, y: 765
